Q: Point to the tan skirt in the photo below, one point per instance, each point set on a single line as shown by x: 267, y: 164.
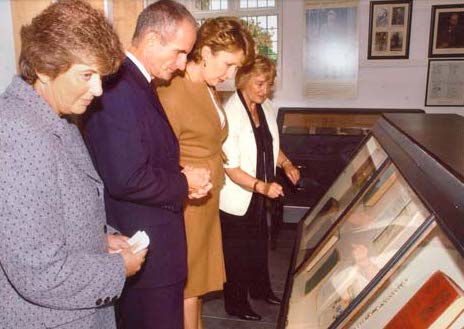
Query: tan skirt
x: 206, y: 271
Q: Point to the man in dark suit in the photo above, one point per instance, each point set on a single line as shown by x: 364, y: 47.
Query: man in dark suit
x: 137, y: 155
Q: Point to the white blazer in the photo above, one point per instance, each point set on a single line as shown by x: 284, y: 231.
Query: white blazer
x: 240, y: 150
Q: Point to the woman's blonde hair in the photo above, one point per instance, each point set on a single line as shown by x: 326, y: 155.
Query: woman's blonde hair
x: 260, y: 65
x: 223, y: 34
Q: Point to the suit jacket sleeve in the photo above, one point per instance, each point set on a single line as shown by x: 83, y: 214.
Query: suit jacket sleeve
x: 35, y: 255
x: 122, y: 154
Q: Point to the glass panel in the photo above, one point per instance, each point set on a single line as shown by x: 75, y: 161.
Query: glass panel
x: 203, y: 5
x: 368, y: 238
x: 318, y: 222
x: 419, y: 271
x: 249, y: 4
x: 264, y: 34
x: 272, y: 22
x: 328, y: 123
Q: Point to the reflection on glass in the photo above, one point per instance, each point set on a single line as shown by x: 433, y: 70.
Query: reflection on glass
x: 369, y: 158
x: 434, y: 260
x: 355, y: 251
x: 331, y: 51
x: 328, y: 123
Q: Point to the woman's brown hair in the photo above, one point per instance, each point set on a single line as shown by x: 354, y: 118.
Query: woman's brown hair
x: 223, y: 34
x: 66, y: 33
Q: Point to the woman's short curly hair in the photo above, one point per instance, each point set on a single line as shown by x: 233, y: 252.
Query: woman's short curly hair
x: 260, y: 65
x: 68, y: 32
x: 223, y: 34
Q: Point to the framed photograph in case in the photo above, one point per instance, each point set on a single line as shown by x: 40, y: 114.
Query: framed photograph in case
x: 389, y: 29
x: 447, y: 31
x: 445, y: 82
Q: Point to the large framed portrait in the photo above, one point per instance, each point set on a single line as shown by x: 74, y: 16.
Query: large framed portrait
x: 445, y: 83
x: 330, y: 59
x: 447, y: 31
x: 389, y: 29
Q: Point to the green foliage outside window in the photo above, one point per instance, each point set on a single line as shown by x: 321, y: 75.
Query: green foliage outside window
x: 262, y: 38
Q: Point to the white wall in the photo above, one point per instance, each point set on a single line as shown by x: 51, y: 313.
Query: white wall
x: 381, y: 83
x: 7, y: 51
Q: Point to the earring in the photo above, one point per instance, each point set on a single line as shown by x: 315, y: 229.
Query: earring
x: 204, y: 63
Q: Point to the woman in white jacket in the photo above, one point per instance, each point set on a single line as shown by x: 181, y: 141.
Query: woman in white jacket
x: 252, y: 151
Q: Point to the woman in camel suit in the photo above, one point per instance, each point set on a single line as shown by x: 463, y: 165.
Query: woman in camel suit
x: 199, y: 122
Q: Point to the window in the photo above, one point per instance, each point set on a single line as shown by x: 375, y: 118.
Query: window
x: 261, y: 15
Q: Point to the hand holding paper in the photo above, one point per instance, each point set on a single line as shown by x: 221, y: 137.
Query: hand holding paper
x: 141, y: 239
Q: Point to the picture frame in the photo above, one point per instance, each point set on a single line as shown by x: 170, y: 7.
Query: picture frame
x: 445, y: 82
x: 389, y: 29
x: 447, y: 31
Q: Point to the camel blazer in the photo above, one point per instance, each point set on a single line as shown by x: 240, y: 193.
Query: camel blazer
x: 240, y: 150
x: 55, y: 268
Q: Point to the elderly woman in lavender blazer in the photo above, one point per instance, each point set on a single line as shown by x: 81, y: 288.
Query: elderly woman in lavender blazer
x: 57, y: 269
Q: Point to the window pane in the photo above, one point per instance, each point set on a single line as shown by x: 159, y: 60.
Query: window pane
x: 272, y: 22
x: 211, y: 5
x: 265, y: 35
x: 262, y: 21
x: 247, y: 4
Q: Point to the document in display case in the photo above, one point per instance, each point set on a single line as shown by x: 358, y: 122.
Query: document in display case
x: 340, y: 195
x: 389, y: 228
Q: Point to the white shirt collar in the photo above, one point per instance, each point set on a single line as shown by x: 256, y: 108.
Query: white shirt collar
x: 139, y: 65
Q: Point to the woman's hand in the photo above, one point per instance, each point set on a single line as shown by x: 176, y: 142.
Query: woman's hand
x: 133, y: 262
x: 271, y: 190
x: 292, y: 173
x: 117, y: 242
x: 199, y: 181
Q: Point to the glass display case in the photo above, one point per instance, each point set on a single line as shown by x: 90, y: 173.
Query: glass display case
x: 320, y: 141
x: 385, y: 243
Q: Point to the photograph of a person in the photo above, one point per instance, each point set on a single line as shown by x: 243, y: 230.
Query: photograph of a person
x: 398, y: 16
x: 447, y: 31
x: 396, y: 41
x: 381, y: 41
x: 382, y: 17
x: 389, y: 29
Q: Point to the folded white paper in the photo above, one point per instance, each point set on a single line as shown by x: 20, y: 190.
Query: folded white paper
x: 141, y: 238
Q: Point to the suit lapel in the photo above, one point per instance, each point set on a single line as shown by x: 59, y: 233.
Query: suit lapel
x: 147, y: 88
x: 152, y: 96
x: 74, y: 146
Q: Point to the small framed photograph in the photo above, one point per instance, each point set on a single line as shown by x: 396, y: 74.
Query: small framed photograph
x: 389, y: 29
x: 447, y: 31
x: 445, y: 83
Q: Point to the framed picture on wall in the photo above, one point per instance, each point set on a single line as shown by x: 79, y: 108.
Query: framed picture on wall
x: 447, y: 31
x: 445, y: 83
x: 389, y: 29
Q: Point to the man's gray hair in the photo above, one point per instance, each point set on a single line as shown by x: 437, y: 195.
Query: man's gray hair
x: 161, y: 17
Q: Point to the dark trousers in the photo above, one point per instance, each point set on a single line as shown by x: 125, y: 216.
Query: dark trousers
x: 153, y: 308
x: 245, y: 245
